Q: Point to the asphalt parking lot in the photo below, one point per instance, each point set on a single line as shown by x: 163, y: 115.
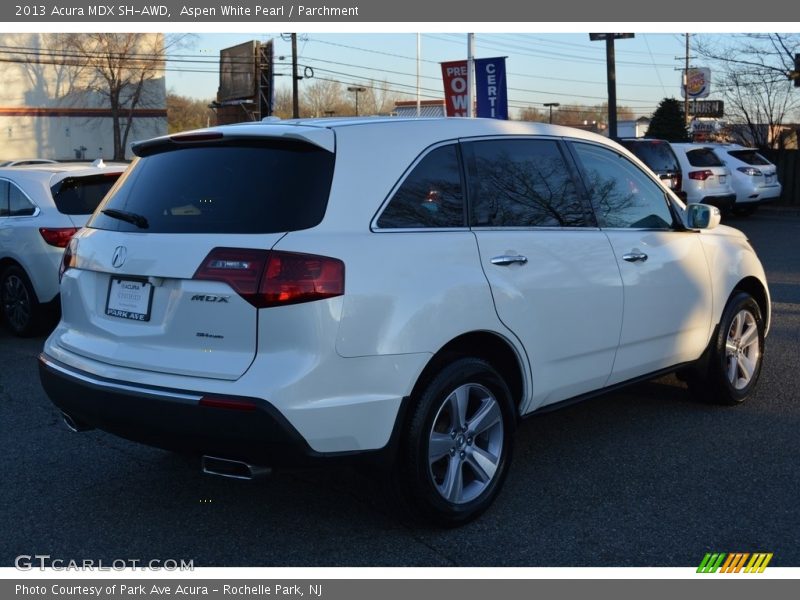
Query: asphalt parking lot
x: 644, y: 477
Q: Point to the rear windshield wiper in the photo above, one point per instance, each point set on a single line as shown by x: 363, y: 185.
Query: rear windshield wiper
x: 128, y: 217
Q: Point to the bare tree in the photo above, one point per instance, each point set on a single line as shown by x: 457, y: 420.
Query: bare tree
x: 188, y: 113
x: 322, y: 97
x: 378, y: 99
x: 753, y: 78
x: 120, y: 69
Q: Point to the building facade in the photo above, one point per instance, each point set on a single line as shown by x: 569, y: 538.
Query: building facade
x: 53, y: 103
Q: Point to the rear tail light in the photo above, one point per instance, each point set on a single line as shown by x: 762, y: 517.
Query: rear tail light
x: 701, y: 175
x: 751, y: 171
x: 274, y: 278
x: 57, y: 236
x: 69, y: 259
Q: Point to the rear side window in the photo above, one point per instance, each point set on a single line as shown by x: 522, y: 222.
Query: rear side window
x: 431, y: 195
x: 523, y: 183
x: 703, y: 157
x: 655, y: 154
x: 3, y: 198
x: 81, y: 195
x: 265, y: 186
x: 751, y: 157
x: 18, y: 203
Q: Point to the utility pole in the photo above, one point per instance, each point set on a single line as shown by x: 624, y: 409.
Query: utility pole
x: 611, y: 74
x: 550, y: 105
x: 686, y: 85
x: 470, y: 73
x: 295, y: 99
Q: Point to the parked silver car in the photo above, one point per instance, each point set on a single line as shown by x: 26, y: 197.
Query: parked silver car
x: 41, y: 207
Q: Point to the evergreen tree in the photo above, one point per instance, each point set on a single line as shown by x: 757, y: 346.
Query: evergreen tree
x: 668, y: 122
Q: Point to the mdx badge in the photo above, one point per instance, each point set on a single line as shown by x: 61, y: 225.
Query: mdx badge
x: 209, y: 298
x: 120, y: 254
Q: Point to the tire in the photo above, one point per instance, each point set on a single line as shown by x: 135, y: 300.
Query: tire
x: 735, y: 355
x: 22, y: 312
x: 458, y: 445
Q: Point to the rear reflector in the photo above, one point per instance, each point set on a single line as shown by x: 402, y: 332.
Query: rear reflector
x: 228, y: 403
x: 274, y: 278
x: 57, y: 236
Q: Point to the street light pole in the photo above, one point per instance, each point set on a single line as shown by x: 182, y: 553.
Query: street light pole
x: 550, y: 105
x: 356, y: 89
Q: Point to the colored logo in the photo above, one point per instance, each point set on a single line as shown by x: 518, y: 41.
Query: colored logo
x: 734, y: 562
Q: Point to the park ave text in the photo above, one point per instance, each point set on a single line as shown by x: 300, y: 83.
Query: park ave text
x: 280, y: 11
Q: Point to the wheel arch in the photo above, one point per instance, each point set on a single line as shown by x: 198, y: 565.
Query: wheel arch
x: 756, y: 289
x: 485, y: 345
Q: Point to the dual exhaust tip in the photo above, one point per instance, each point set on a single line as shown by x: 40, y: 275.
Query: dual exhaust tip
x: 212, y: 465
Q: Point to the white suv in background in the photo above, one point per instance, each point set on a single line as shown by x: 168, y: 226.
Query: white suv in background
x: 403, y: 290
x: 753, y: 177
x: 41, y: 207
x: 706, y: 179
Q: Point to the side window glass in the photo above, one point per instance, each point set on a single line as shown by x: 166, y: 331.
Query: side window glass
x: 3, y: 198
x: 431, y: 195
x: 523, y: 183
x: 623, y: 196
x: 18, y: 204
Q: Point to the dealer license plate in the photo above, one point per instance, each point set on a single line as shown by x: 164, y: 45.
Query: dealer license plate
x: 129, y: 299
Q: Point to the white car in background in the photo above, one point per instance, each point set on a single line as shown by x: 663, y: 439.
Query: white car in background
x: 41, y: 207
x: 706, y: 179
x: 753, y: 177
x: 388, y: 289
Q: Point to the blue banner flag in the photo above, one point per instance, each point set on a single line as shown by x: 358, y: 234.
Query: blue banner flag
x: 490, y: 87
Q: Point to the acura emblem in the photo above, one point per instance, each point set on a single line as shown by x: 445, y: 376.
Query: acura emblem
x: 120, y: 254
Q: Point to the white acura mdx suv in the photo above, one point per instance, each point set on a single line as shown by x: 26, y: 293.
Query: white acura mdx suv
x: 275, y: 293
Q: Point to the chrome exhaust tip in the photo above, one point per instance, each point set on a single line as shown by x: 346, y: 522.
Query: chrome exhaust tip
x: 233, y: 469
x: 75, y: 425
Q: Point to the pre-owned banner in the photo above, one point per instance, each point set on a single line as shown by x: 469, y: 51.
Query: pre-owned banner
x: 490, y: 87
x: 454, y: 75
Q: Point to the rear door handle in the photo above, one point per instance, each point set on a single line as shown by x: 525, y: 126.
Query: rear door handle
x: 635, y: 256
x: 509, y: 259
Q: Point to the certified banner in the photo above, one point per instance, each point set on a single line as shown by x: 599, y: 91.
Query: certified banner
x: 490, y: 87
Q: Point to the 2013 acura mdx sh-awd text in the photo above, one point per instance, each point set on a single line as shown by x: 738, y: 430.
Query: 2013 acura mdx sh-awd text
x: 277, y: 293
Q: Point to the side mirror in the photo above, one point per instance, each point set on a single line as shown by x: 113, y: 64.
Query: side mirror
x: 702, y: 216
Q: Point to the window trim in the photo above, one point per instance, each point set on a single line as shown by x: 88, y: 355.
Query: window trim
x: 677, y: 222
x: 373, y: 225
x: 36, y: 210
x: 590, y: 218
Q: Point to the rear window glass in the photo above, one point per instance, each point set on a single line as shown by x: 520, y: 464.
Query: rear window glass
x: 81, y: 195
x: 703, y: 157
x: 656, y: 155
x: 751, y: 157
x: 239, y: 187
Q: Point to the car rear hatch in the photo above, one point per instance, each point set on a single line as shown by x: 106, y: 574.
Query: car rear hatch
x: 168, y: 275
x: 707, y: 169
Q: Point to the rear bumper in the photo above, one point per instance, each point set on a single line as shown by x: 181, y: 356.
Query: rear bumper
x: 255, y: 432
x: 722, y: 202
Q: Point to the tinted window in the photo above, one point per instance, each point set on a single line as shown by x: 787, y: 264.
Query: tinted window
x: 655, y: 154
x: 81, y: 195
x: 751, y: 157
x: 3, y: 198
x: 258, y: 187
x: 523, y: 183
x: 431, y: 195
x: 18, y: 204
x: 622, y: 195
x: 703, y: 157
